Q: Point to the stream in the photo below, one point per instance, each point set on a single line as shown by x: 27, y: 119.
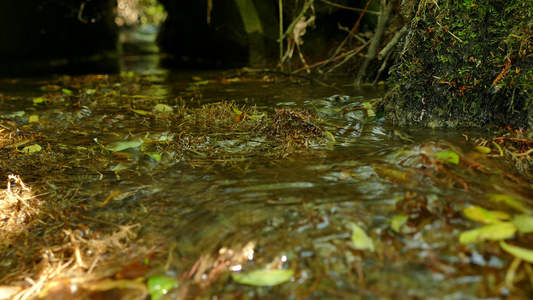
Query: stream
x: 224, y: 200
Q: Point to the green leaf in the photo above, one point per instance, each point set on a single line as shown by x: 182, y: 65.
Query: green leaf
x: 154, y: 155
x: 494, y: 232
x: 511, y: 201
x: 329, y: 136
x: 67, y: 92
x: 398, y: 221
x: 448, y: 156
x: 482, y: 215
x: 360, y: 239
x: 31, y: 149
x: 524, y: 223
x: 123, y: 145
x: 236, y: 111
x: 481, y: 149
x: 163, y: 108
x: 263, y: 277
x: 140, y: 111
x: 522, y: 253
x: 160, y: 285
x: 38, y: 100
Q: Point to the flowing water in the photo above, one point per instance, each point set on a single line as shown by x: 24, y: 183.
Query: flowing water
x: 236, y: 204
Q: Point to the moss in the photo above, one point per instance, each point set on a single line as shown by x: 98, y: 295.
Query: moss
x: 464, y: 63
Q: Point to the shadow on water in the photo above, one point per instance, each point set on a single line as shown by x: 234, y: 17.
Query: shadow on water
x: 202, y: 207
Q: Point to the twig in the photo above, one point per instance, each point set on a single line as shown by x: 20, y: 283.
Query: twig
x: 392, y: 43
x: 352, y: 32
x: 446, y: 30
x: 372, y: 49
x: 281, y: 34
x: 382, y: 68
x: 351, y: 8
x: 296, y: 20
x: 346, y: 58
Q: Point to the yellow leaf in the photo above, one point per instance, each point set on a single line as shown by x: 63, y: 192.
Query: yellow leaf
x: 33, y: 119
x: 522, y: 253
x: 511, y: 201
x: 163, y: 108
x: 263, y: 277
x: 524, y: 223
x: 140, y: 111
x: 38, y: 100
x: 481, y: 149
x: 360, y: 239
x: 236, y: 111
x: 31, y: 149
x: 494, y: 232
x: 398, y: 221
x: 482, y: 215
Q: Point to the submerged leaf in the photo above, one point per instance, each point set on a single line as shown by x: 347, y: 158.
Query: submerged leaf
x: 31, y: 149
x: 123, y: 145
x: 398, y: 221
x: 160, y: 285
x: 163, y: 108
x: 494, y: 232
x: 511, y: 201
x: 482, y: 215
x: 390, y: 174
x: 360, y: 239
x: 33, y: 119
x: 154, y: 155
x: 329, y: 136
x: 522, y: 253
x: 140, y: 111
x: 38, y: 100
x: 524, y: 223
x: 448, y: 156
x: 481, y: 149
x: 263, y: 277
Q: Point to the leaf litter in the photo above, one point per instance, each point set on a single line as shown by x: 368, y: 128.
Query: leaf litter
x: 95, y: 207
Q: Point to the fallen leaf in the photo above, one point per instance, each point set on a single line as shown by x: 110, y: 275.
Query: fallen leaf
x: 448, y: 156
x: 398, y: 221
x: 524, y: 223
x: 493, y: 232
x: 263, y: 277
x: 123, y: 145
x: 160, y: 285
x: 31, y: 149
x: 511, y: 201
x: 479, y: 214
x: 360, y: 239
x: 163, y: 108
x: 481, y: 149
x: 522, y: 253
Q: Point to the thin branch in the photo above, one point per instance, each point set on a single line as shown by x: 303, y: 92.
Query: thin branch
x: 281, y: 34
x: 372, y: 49
x: 392, y: 43
x: 296, y: 20
x: 352, y: 32
x: 351, y: 8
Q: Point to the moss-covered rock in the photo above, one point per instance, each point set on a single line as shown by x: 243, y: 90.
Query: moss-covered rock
x: 464, y: 63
